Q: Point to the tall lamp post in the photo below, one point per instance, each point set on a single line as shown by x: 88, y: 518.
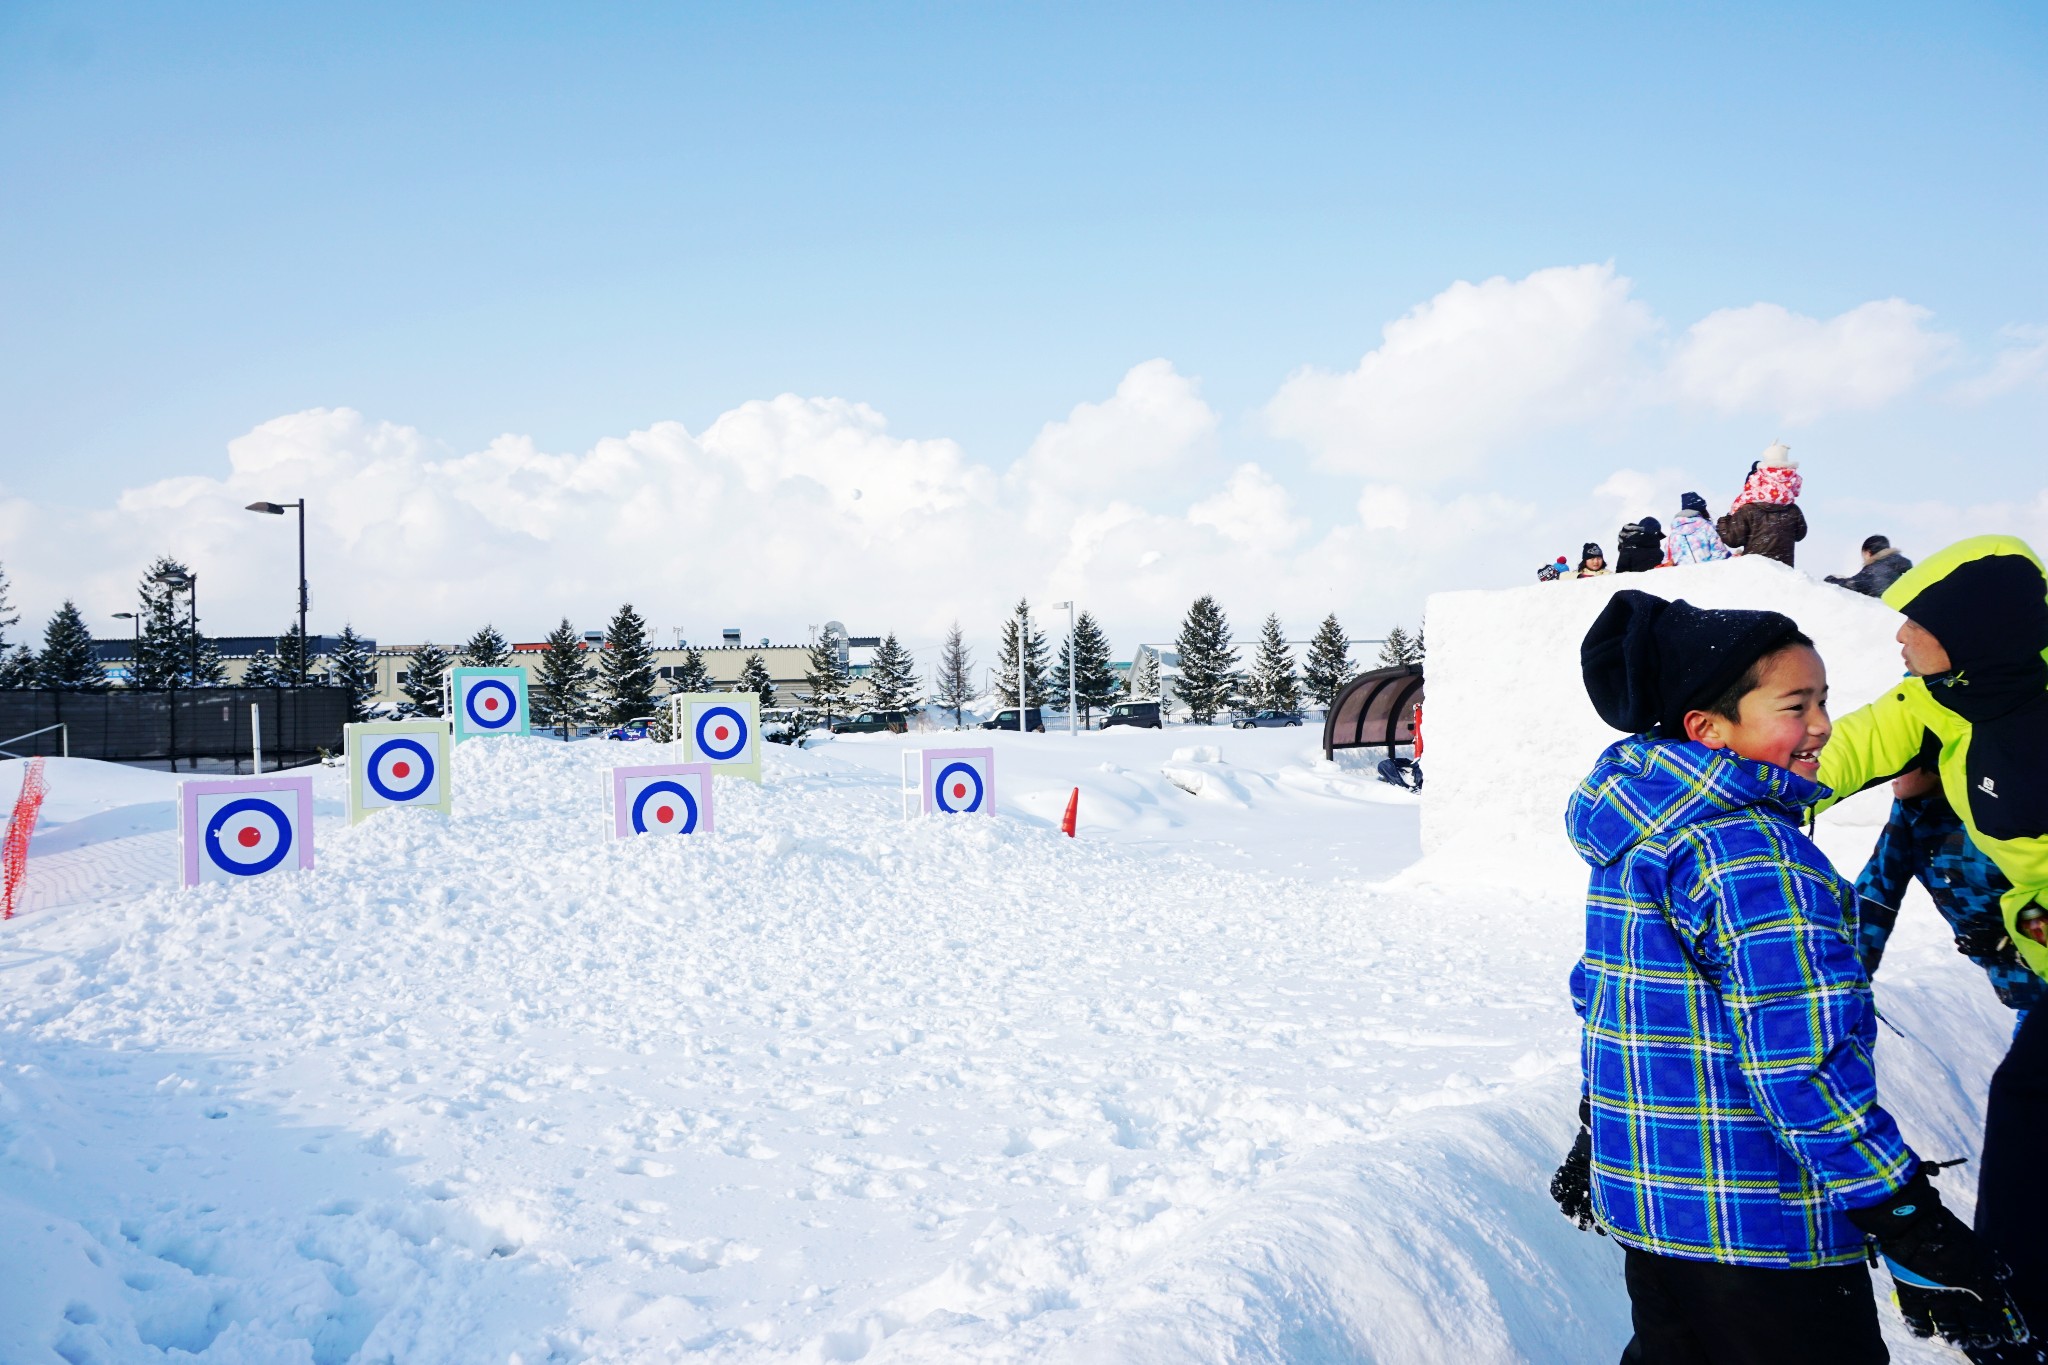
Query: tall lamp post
x: 277, y: 509
x: 1023, y: 653
x: 134, y: 650
x: 187, y: 583
x: 1073, y: 665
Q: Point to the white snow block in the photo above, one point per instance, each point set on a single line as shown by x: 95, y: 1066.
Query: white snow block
x: 1507, y: 728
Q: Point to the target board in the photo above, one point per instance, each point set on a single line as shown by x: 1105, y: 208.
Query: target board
x: 959, y: 781
x: 489, y: 701
x: 397, y: 763
x: 662, y: 798
x: 719, y: 728
x: 232, y: 829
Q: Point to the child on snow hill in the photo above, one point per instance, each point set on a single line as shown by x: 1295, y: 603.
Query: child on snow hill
x: 1732, y: 1142
x: 1640, y: 546
x: 1592, y: 561
x: 1693, y: 539
x: 1975, y: 709
x: 1765, y: 518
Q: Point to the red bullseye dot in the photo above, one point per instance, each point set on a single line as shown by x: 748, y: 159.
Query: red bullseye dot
x: 248, y: 838
x: 490, y: 703
x: 959, y: 789
x: 400, y: 769
x: 665, y: 814
x: 720, y: 733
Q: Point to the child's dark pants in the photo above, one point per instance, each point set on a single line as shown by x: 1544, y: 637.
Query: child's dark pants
x: 1706, y: 1313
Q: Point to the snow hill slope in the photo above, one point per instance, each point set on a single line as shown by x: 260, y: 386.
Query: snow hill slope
x: 828, y: 1086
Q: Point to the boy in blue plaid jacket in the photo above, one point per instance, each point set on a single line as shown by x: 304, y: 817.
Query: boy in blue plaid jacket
x: 1733, y: 1144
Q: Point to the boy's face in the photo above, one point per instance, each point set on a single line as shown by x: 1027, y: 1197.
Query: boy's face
x: 1784, y: 720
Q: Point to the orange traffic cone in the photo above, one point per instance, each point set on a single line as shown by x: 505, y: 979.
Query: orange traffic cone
x: 1073, y: 810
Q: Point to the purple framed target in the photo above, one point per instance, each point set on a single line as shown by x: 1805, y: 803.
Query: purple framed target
x: 662, y: 798
x: 489, y: 701
x: 234, y: 829
x: 959, y: 781
x: 397, y: 763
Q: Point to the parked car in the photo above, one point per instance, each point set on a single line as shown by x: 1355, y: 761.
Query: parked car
x: 873, y: 723
x: 1034, y: 719
x: 1268, y: 719
x: 632, y: 729
x: 1142, y: 714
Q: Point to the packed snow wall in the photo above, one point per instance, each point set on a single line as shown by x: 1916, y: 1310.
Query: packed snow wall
x: 1510, y: 731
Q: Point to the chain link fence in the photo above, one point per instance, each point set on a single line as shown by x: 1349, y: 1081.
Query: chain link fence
x: 183, y: 724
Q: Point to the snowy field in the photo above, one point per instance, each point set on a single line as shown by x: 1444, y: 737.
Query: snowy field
x: 1231, y: 1077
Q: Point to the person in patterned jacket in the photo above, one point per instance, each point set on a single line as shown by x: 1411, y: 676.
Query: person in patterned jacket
x: 1693, y: 537
x: 1925, y: 841
x: 1731, y: 1137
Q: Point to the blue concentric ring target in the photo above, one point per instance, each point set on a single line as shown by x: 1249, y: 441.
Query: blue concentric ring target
x: 665, y: 807
x: 490, y: 704
x: 721, y: 733
x: 400, y: 769
x: 247, y: 838
x: 958, y: 789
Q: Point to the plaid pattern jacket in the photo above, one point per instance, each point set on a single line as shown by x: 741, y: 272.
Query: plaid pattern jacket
x: 1925, y: 840
x: 1728, y: 1025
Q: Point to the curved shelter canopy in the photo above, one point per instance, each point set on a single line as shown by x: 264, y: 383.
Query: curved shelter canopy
x: 1375, y: 710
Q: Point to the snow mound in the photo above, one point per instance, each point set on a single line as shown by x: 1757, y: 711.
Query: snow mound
x: 1509, y: 730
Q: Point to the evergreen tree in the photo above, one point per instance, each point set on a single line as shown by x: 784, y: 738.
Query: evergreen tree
x: 353, y: 666
x: 1398, y: 649
x: 262, y: 671
x: 754, y: 677
x: 955, y: 680
x: 425, y: 675
x: 1328, y: 666
x: 894, y: 676
x: 1143, y: 682
x: 211, y: 670
x: 827, y: 679
x: 1086, y: 655
x: 563, y: 681
x: 17, y: 663
x: 486, y: 649
x: 1208, y: 679
x: 164, y: 647
x: 1035, y: 655
x: 625, y: 681
x: 67, y: 660
x: 692, y: 675
x: 1273, y: 683
x: 1421, y: 650
x: 295, y: 658
x: 8, y: 617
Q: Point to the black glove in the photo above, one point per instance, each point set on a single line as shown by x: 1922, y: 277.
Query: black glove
x: 1946, y: 1281
x: 1572, y: 1186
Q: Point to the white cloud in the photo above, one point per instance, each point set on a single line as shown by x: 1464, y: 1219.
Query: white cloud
x: 1473, y: 367
x: 1145, y: 438
x: 1766, y: 359
x: 1252, y: 510
x: 2021, y: 363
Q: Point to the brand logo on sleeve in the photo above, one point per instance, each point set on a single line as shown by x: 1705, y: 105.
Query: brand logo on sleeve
x: 1987, y: 788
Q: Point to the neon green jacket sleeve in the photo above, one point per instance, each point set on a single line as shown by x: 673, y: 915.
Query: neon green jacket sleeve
x: 1872, y: 744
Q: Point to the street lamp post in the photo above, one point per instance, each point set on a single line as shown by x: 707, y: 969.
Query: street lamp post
x: 1073, y: 665
x: 1023, y: 651
x: 277, y: 509
x: 187, y: 583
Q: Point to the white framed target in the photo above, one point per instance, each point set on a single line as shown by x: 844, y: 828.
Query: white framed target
x: 231, y: 830
x: 662, y: 798
x: 959, y: 781
x: 720, y: 728
x: 489, y: 701
x: 398, y: 763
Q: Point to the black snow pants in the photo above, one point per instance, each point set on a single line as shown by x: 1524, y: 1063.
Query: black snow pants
x: 1706, y: 1313
x: 2012, y: 1180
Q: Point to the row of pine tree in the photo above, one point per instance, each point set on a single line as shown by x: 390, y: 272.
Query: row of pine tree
x: 623, y: 686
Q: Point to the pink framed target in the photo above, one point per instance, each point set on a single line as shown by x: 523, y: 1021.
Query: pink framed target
x: 959, y: 781
x: 662, y: 798
x: 236, y: 829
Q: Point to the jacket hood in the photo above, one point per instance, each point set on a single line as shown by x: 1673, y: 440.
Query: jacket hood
x: 1642, y: 788
x: 1985, y: 599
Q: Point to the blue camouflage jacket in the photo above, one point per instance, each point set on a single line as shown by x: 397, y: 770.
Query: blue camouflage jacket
x: 1728, y: 1026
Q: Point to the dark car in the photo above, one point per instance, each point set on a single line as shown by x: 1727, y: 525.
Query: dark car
x: 1034, y: 719
x: 1143, y: 714
x: 1267, y: 719
x: 873, y: 723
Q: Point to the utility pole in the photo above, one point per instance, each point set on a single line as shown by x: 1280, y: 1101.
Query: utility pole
x: 1073, y: 666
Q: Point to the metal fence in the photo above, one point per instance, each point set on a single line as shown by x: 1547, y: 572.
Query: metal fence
x: 184, y: 723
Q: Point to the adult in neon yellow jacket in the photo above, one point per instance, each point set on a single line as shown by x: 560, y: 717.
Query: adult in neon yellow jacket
x: 1976, y: 710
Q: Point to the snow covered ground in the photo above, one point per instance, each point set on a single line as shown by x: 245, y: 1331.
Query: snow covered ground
x: 1231, y: 1077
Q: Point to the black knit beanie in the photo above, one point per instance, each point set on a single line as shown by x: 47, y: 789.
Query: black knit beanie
x: 1647, y: 661
x: 1591, y: 551
x: 1693, y: 503
x: 1987, y: 612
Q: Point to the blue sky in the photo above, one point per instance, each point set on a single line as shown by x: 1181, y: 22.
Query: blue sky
x: 572, y: 223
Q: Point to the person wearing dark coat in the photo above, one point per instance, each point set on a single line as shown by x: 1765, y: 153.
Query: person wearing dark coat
x: 1640, y: 547
x: 1882, y: 567
x: 1764, y: 528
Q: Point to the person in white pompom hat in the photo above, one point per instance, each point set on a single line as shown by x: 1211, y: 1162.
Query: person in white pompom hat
x: 1765, y: 518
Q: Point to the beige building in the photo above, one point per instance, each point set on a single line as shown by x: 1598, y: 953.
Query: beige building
x: 787, y: 665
